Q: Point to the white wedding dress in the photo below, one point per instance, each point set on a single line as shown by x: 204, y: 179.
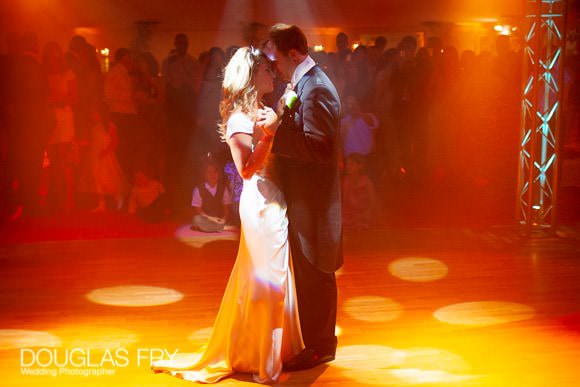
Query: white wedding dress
x: 257, y: 326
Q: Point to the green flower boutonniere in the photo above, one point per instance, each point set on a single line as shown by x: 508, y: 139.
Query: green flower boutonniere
x: 291, y: 99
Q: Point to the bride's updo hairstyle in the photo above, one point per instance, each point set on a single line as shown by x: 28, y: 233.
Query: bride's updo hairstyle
x: 239, y: 93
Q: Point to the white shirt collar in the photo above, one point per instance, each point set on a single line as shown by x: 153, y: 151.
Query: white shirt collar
x: 212, y: 190
x: 302, y: 68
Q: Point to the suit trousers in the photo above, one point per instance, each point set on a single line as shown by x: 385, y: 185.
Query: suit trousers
x: 317, y: 302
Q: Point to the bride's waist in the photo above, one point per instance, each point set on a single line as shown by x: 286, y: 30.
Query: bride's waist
x: 269, y: 170
x: 262, y: 175
x: 263, y: 185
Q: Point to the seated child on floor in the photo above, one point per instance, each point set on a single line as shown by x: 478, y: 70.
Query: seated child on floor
x: 211, y: 200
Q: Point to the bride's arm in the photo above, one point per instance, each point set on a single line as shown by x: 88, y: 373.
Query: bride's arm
x: 248, y: 162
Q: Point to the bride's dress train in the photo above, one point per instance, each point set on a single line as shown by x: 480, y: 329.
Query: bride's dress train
x: 257, y: 326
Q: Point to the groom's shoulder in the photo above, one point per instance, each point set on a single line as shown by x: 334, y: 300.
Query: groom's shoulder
x: 321, y: 82
x: 318, y: 78
x: 318, y: 73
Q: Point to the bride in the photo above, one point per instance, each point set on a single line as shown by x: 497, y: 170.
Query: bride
x: 257, y: 326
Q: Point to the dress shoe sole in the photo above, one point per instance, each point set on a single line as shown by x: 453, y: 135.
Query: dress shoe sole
x: 312, y: 364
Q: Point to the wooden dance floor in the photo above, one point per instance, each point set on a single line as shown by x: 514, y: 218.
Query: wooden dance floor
x: 434, y: 307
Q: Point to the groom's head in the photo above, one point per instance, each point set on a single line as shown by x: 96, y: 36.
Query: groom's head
x: 288, y: 47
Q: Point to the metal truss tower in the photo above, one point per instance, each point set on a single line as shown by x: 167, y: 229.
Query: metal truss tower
x: 545, y: 42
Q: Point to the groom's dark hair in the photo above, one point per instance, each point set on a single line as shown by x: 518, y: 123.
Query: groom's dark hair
x: 287, y: 37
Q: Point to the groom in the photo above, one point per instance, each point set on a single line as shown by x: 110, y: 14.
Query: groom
x: 307, y: 140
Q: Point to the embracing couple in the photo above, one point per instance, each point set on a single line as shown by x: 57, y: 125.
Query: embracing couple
x: 279, y: 307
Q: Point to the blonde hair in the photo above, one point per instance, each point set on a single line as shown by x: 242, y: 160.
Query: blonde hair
x: 238, y: 90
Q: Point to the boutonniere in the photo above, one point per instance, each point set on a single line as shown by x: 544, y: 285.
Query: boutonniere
x: 291, y: 100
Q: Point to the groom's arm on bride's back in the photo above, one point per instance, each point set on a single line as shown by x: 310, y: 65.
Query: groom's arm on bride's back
x: 317, y: 141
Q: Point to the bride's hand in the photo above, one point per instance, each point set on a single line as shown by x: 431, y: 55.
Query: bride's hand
x: 267, y: 120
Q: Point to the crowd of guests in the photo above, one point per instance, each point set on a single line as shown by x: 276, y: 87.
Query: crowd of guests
x: 143, y: 137
x: 124, y: 139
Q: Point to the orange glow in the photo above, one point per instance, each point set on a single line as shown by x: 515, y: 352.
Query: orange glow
x: 89, y: 33
x: 98, y: 338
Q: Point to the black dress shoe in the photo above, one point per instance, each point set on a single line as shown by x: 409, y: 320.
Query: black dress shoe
x: 308, y: 358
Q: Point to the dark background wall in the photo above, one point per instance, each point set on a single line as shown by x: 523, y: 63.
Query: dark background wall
x: 111, y: 23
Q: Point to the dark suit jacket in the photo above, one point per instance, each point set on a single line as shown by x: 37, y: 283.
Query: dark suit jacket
x: 307, y: 141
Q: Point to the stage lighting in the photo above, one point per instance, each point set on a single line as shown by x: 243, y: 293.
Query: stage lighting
x: 417, y: 269
x: 134, y: 296
x: 201, y: 335
x: 23, y: 338
x: 484, y: 313
x: 373, y: 308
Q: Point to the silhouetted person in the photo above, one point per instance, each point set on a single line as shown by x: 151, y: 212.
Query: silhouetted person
x: 10, y: 206
x: 120, y: 98
x: 180, y: 74
x: 342, y: 48
x: 61, y: 148
x: 82, y: 59
x: 375, y: 54
x: 150, y: 99
x: 387, y: 141
x: 445, y: 130
x: 32, y: 120
x: 507, y: 81
x: 359, y: 78
x: 208, y: 139
x: 410, y: 113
